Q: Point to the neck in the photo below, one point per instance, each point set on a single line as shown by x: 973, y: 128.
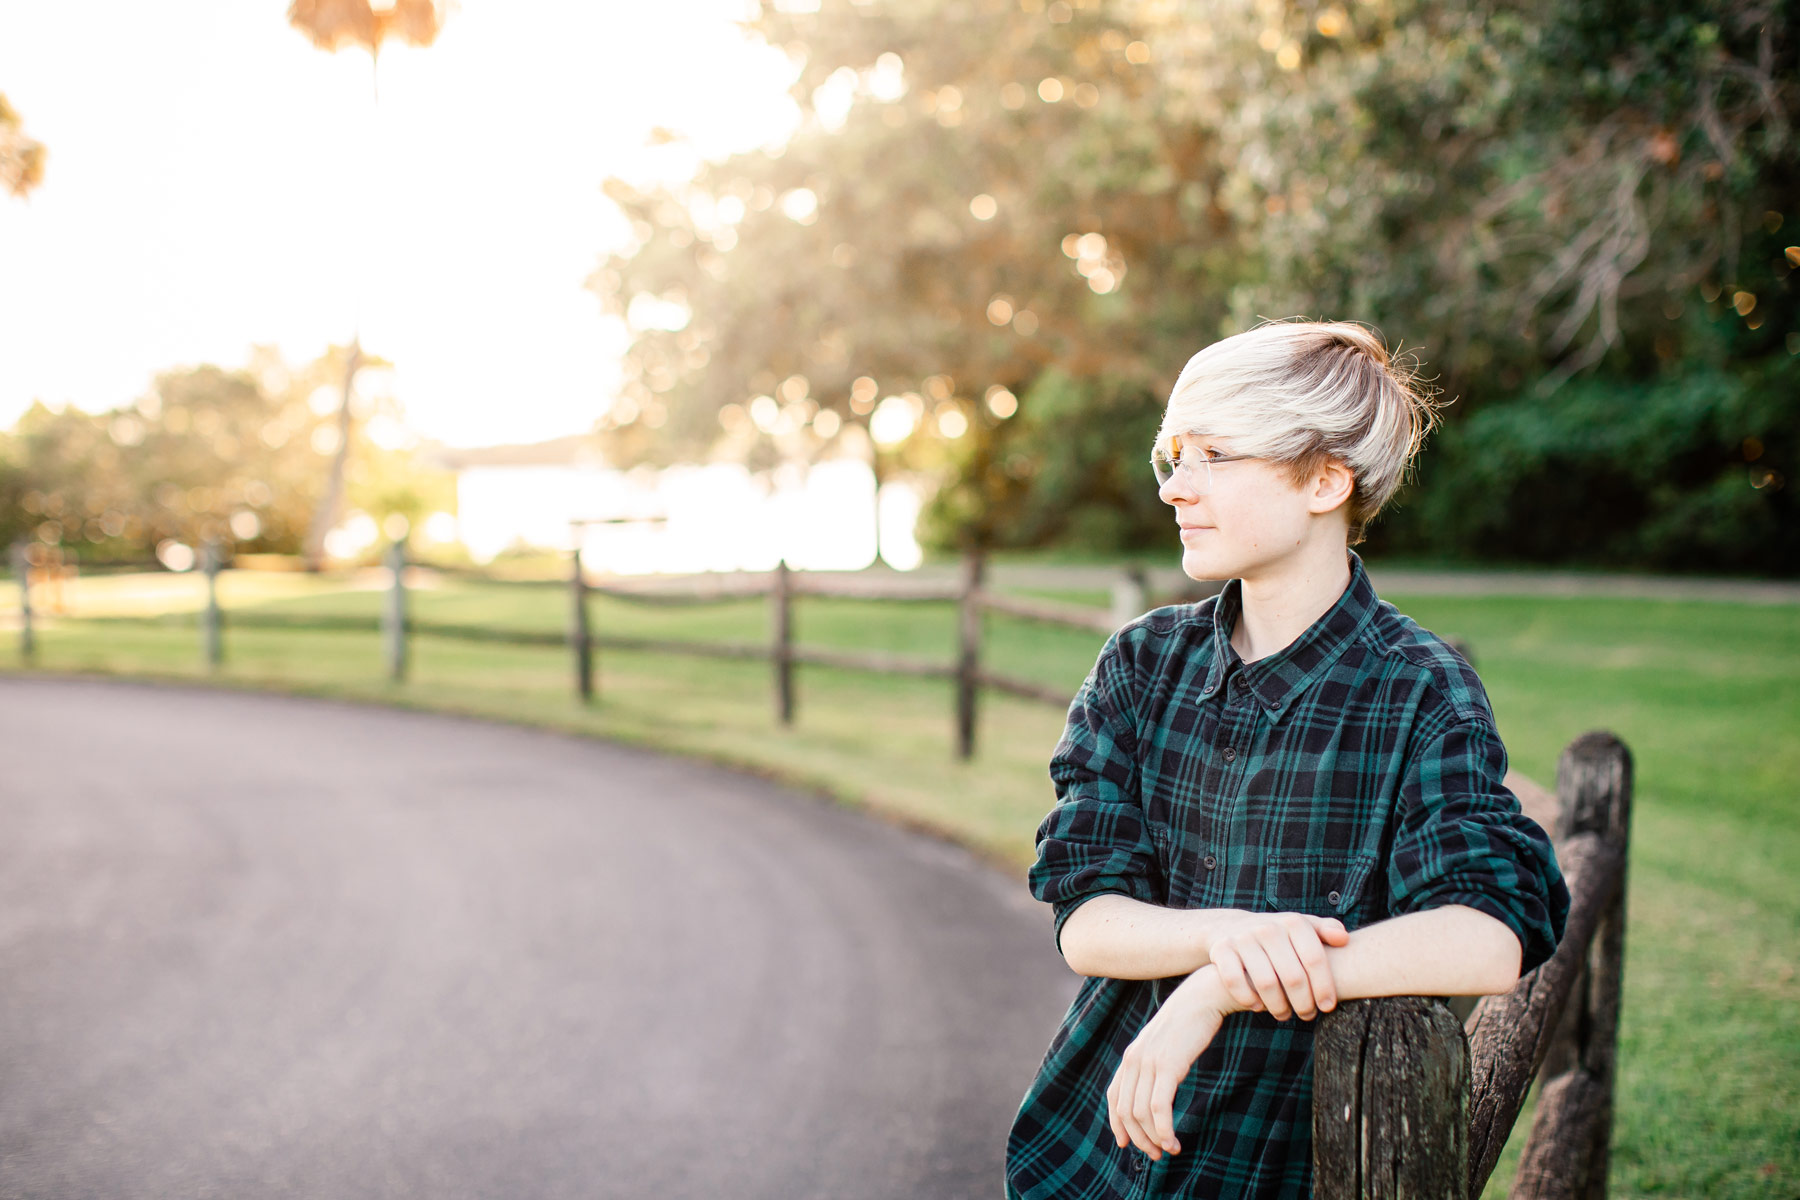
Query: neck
x: 1282, y: 600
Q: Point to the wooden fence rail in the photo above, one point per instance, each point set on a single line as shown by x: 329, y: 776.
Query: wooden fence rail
x: 1407, y: 1102
x: 782, y: 587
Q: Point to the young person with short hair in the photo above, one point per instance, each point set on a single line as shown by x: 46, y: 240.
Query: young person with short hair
x: 1284, y: 796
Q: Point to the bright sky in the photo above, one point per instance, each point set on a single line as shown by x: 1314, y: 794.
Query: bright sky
x: 214, y: 181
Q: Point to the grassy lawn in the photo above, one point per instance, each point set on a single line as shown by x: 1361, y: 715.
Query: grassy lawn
x: 1706, y: 694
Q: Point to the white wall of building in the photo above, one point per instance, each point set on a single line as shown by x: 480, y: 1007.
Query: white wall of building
x: 720, y: 517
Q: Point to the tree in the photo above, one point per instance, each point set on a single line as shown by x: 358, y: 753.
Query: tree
x: 207, y: 454
x: 979, y: 196
x: 1068, y: 200
x: 21, y: 158
x: 331, y: 25
x: 1576, y: 211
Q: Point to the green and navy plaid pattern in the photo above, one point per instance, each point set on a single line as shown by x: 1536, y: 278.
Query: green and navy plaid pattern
x: 1354, y: 774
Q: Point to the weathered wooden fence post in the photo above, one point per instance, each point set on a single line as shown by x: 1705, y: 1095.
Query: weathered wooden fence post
x: 781, y: 597
x: 1566, y: 1156
x: 1128, y: 596
x: 968, y: 655
x: 21, y: 568
x: 393, y: 617
x: 581, y: 641
x: 1390, y: 1102
x: 211, y: 620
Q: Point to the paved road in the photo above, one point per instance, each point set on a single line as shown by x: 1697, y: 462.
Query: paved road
x: 259, y: 946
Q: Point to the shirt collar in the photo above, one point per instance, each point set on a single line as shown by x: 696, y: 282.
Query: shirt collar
x: 1277, y: 679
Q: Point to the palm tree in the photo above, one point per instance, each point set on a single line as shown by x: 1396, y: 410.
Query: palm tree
x: 332, y: 25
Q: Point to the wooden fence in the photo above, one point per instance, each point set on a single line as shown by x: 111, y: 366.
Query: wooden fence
x: 1410, y: 1102
x: 782, y: 587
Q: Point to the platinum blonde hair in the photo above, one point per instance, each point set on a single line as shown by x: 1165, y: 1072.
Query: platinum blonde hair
x: 1300, y: 393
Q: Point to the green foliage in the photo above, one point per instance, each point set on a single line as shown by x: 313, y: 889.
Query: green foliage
x: 1549, y: 203
x: 236, y: 456
x: 1071, y: 470
x: 922, y: 231
x: 1672, y: 473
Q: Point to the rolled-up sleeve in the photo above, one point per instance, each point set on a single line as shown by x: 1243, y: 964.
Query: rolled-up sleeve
x: 1096, y: 839
x: 1461, y: 838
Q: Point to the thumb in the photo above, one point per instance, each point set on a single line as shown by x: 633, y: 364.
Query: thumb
x: 1332, y: 931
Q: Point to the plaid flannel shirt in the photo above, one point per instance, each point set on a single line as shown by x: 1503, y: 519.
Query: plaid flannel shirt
x: 1354, y: 774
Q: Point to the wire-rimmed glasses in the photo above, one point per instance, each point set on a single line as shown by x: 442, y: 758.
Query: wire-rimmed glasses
x: 1194, y: 464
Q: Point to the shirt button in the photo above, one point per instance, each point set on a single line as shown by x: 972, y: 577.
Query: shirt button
x: 1334, y: 897
x: 1210, y: 862
x: 1230, y: 754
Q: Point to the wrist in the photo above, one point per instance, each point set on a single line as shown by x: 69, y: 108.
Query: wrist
x: 1208, y: 924
x: 1207, y: 989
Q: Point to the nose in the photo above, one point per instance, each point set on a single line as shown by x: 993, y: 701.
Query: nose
x: 1176, y: 490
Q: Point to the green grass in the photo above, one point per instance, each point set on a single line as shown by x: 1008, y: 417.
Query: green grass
x: 1706, y: 694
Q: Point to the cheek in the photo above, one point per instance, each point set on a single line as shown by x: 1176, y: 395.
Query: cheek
x: 1259, y: 514
x: 1243, y: 509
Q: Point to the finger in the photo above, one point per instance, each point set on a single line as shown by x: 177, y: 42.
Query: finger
x: 1318, y: 969
x: 1126, y: 1084
x: 1140, y: 1113
x: 1162, y: 1110
x: 1331, y: 930
x: 1114, y: 1109
x: 1268, y: 984
x: 1296, y: 988
x: 1236, y: 981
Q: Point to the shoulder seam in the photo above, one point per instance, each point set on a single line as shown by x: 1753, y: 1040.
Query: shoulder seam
x: 1433, y: 666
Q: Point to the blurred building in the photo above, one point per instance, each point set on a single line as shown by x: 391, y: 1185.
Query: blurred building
x: 716, y: 517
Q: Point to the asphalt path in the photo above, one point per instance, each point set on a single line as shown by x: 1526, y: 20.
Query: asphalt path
x: 259, y: 946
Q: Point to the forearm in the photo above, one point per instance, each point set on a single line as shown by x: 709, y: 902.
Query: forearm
x: 1121, y: 938
x: 1449, y: 951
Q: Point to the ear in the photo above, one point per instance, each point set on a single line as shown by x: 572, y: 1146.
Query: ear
x: 1330, y: 487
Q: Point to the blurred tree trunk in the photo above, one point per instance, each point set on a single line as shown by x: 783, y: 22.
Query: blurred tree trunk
x: 332, y: 499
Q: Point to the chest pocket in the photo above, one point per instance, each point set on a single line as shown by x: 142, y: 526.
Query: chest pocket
x: 1324, y: 884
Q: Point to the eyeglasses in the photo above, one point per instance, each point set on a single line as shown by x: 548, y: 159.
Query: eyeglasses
x: 1195, y: 466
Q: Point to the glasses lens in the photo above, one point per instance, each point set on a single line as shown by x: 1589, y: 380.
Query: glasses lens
x: 1167, y: 459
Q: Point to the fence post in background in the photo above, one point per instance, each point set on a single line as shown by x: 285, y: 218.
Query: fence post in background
x: 581, y: 641
x: 21, y: 567
x: 1128, y: 593
x: 1462, y: 647
x: 211, y: 620
x: 1567, y: 1154
x: 393, y: 617
x: 781, y: 595
x: 968, y: 655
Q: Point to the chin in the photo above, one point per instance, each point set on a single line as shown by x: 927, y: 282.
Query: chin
x: 1202, y: 566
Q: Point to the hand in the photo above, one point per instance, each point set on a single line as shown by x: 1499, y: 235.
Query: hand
x: 1140, y: 1100
x: 1275, y: 962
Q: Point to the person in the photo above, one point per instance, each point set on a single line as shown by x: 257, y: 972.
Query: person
x: 1286, y: 795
